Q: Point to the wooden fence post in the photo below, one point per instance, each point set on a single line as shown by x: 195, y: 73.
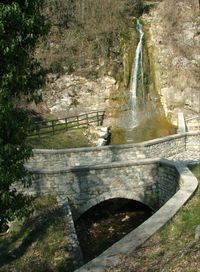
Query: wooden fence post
x: 97, y: 118
x: 102, y: 117
x: 38, y: 131
x: 66, y: 127
x: 53, y: 129
x: 77, y: 121
x: 87, y: 120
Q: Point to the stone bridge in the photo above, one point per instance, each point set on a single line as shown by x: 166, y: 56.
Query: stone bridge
x: 87, y: 176
x: 82, y: 178
x: 151, y: 182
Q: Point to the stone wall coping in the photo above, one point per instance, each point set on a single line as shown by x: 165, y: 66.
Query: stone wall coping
x: 117, y: 164
x: 113, y: 147
x: 111, y: 257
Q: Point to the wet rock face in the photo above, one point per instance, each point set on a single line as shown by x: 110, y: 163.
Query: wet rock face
x: 71, y: 95
x: 175, y: 34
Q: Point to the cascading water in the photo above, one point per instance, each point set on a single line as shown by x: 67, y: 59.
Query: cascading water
x: 142, y: 119
x: 138, y: 68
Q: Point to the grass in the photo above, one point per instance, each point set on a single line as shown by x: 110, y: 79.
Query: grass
x: 173, y: 248
x: 39, y: 243
x: 64, y: 139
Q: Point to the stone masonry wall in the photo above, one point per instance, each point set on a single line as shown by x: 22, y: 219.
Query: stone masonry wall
x: 147, y: 181
x: 193, y: 141
x: 112, y: 256
x: 163, y: 147
x: 168, y: 182
x: 78, y: 184
x: 74, y: 247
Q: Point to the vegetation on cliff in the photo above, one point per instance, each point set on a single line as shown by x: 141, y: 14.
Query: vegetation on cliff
x: 85, y: 34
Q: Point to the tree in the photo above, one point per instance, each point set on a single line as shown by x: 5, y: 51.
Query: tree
x: 21, y: 25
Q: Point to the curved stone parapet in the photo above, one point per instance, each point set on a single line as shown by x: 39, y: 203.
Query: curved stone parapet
x: 109, y: 258
x: 163, y: 147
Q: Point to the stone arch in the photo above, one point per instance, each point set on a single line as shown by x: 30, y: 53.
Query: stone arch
x: 111, y: 195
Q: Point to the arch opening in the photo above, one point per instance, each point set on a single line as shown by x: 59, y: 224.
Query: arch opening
x: 107, y: 222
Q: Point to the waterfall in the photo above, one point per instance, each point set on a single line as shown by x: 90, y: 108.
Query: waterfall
x: 138, y: 67
x: 142, y: 73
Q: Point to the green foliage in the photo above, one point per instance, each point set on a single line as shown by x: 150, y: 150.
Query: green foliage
x: 21, y: 25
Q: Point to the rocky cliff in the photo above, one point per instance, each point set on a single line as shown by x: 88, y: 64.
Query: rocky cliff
x: 84, y: 53
x: 70, y: 95
x: 175, y: 37
x: 173, y: 42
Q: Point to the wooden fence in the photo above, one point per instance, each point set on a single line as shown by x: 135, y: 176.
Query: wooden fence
x: 193, y: 123
x: 54, y: 126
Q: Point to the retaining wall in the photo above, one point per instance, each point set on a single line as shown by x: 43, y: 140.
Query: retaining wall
x: 163, y: 147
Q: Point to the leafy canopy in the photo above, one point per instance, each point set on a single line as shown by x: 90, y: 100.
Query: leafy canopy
x: 21, y: 25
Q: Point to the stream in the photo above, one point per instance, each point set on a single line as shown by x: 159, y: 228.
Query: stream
x: 106, y: 223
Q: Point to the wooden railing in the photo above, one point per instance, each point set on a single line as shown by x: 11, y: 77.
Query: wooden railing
x: 54, y: 126
x: 193, y: 123
x: 197, y: 116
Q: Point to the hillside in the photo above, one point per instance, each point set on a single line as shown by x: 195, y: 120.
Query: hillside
x: 85, y: 33
x: 89, y: 51
x: 84, y: 53
x: 89, y: 54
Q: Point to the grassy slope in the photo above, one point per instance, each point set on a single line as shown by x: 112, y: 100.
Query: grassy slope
x: 39, y: 244
x: 173, y: 248
x: 65, y: 139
